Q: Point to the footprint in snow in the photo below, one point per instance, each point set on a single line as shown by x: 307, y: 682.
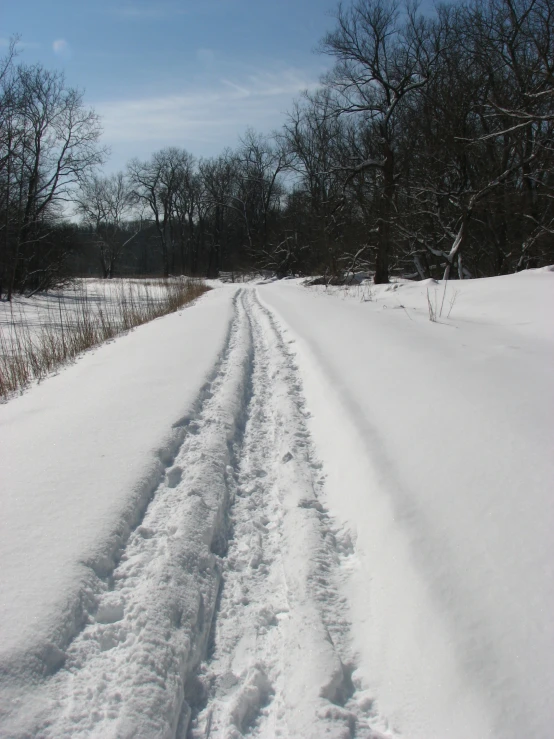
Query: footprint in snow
x: 174, y: 476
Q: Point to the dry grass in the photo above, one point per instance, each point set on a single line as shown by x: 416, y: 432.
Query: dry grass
x: 76, y: 321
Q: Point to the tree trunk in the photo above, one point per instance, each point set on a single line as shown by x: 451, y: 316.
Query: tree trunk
x: 384, y: 241
x: 457, y: 246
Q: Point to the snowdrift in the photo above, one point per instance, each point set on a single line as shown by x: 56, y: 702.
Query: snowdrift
x: 437, y: 441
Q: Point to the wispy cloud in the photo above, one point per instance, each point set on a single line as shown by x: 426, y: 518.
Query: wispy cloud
x: 204, y: 120
x: 241, y: 89
x: 150, y: 10
x: 139, y: 12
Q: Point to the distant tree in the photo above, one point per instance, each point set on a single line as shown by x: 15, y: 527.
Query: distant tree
x: 219, y: 177
x: 103, y: 204
x: 156, y: 182
x: 315, y: 138
x: 187, y: 216
x: 49, y: 143
x: 261, y: 162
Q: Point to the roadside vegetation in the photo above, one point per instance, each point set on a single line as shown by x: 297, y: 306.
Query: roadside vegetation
x: 38, y: 335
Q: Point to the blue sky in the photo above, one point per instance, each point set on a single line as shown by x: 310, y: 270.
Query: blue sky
x: 190, y: 73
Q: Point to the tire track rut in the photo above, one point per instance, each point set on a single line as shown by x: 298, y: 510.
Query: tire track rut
x: 280, y: 664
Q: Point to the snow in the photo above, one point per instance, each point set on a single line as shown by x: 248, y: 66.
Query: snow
x: 44, y: 311
x: 288, y: 511
x: 437, y: 440
x: 82, y: 454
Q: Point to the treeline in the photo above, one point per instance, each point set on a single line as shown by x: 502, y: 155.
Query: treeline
x: 427, y: 152
x: 48, y: 144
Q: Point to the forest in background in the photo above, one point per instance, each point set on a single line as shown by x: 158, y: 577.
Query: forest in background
x: 427, y: 151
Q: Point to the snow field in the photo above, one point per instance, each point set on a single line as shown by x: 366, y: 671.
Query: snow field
x: 64, y: 308
x: 188, y: 551
x: 436, y: 439
x: 41, y: 333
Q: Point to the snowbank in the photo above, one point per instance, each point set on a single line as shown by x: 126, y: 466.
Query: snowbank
x: 81, y: 455
x: 437, y: 443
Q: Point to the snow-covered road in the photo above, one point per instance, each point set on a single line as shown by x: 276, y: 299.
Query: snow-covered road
x: 280, y: 514
x: 280, y: 662
x: 223, y: 616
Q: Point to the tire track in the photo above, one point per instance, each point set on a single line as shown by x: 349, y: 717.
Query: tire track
x: 280, y: 665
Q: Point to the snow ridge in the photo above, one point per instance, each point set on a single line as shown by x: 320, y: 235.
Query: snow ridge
x: 124, y: 673
x: 223, y: 617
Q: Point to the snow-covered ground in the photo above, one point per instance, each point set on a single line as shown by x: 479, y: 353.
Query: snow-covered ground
x: 288, y: 512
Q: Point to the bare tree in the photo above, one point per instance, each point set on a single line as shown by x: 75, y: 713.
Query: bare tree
x: 479, y: 144
x: 382, y: 58
x: 103, y: 204
x: 219, y: 181
x: 50, y: 143
x: 156, y: 183
x: 316, y: 138
x: 513, y: 42
x: 262, y: 160
x: 187, y: 214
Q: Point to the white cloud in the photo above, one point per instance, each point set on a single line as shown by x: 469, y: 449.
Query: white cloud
x: 242, y: 91
x: 61, y: 47
x: 206, y: 119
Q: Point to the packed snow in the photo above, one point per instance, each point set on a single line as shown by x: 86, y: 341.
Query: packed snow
x: 289, y: 511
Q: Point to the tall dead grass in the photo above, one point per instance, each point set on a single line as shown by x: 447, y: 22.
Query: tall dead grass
x: 77, y: 321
